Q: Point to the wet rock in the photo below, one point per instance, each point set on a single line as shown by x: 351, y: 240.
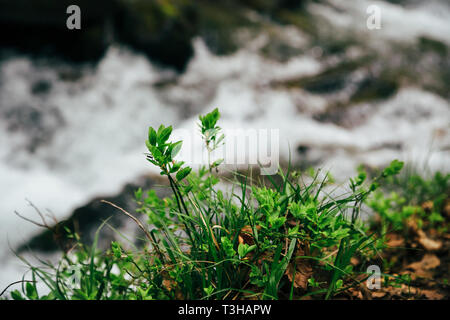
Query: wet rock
x: 39, y: 123
x: 158, y: 29
x: 163, y: 30
x: 332, y: 79
x: 87, y: 219
x: 429, y: 44
x: 374, y: 88
x: 41, y: 87
x: 40, y: 28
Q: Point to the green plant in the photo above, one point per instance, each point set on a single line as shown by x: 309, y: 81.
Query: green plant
x: 255, y: 238
x: 410, y: 196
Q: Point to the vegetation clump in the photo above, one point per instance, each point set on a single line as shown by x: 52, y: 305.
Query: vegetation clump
x: 284, y: 237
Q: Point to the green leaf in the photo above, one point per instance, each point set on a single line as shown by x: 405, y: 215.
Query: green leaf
x: 394, y: 168
x: 216, y: 163
x: 152, y: 136
x: 31, y: 291
x: 156, y: 153
x: 242, y: 250
x: 149, y: 145
x: 227, y: 247
x: 374, y: 186
x: 138, y: 194
x: 16, y: 295
x: 176, y: 166
x: 209, y: 290
x: 214, y: 116
x: 209, y: 120
x: 183, y: 173
x: 176, y: 147
x: 164, y: 135
x: 117, y: 251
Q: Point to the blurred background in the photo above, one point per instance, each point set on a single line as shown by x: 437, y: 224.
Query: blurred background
x: 75, y: 105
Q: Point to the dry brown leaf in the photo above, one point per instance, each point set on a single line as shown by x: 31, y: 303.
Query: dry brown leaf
x: 303, y: 272
x: 179, y: 295
x: 394, y: 240
x: 246, y: 235
x: 422, y: 268
x: 169, y: 284
x: 303, y: 269
x: 428, y: 262
x: 412, y: 225
x: 447, y: 209
x: 427, y: 206
x: 354, y: 261
x: 427, y: 243
x: 409, y: 290
x: 432, y: 294
x: 402, y: 291
x: 378, y: 294
x: 354, y: 292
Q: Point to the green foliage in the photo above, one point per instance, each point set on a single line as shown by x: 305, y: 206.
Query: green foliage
x: 206, y: 242
x: 211, y: 132
x: 405, y: 196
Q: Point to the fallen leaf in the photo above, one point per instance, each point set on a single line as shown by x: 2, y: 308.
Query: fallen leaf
x: 354, y: 261
x: 394, y: 240
x: 428, y: 262
x: 302, y: 271
x: 432, y: 294
x: 169, y: 284
x: 427, y: 206
x: 402, y: 291
x: 427, y: 243
x: 447, y: 209
x: 412, y: 225
x: 378, y: 294
x: 246, y: 235
x: 409, y: 290
x: 422, y: 268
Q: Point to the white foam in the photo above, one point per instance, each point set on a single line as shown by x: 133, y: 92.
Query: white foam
x: 400, y: 23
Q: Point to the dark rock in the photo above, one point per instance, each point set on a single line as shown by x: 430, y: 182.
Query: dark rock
x: 303, y: 149
x: 374, y: 88
x: 269, y: 6
x: 330, y: 80
x: 41, y: 87
x: 163, y: 30
x: 432, y: 45
x: 39, y: 123
x: 87, y: 219
x: 39, y: 27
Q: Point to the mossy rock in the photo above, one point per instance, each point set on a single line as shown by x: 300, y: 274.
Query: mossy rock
x: 374, y: 88
x: 39, y: 27
x: 218, y: 23
x: 330, y: 80
x: 162, y: 29
x: 432, y: 45
x: 298, y: 18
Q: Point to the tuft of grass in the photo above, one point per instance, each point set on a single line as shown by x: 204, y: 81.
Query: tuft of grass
x: 286, y: 240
